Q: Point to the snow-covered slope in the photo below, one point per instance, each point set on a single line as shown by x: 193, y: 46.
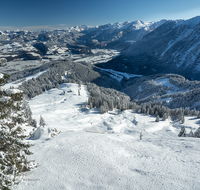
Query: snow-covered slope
x: 95, y: 151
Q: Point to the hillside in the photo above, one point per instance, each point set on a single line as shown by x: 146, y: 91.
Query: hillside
x: 105, y: 151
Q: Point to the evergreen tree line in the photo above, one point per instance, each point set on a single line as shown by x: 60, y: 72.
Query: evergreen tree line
x: 183, y: 133
x: 158, y: 109
x: 14, y: 112
x: 107, y: 99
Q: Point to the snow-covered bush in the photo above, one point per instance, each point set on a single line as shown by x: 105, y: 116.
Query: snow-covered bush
x: 43, y: 131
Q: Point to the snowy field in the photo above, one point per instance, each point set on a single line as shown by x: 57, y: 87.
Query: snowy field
x: 99, y: 56
x: 119, y: 75
x: 95, y: 151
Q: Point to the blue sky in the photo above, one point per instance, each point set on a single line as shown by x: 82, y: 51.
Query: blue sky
x: 47, y: 14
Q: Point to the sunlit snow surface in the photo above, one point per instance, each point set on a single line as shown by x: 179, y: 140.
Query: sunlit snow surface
x: 99, y: 56
x: 1, y: 75
x: 95, y: 151
x: 119, y: 75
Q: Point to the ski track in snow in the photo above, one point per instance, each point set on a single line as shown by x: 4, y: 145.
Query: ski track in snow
x: 95, y: 151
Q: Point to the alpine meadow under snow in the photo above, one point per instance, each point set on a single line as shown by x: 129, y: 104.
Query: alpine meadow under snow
x: 111, y: 107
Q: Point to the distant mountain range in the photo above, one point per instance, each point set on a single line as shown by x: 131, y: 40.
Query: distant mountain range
x: 146, y: 48
x: 109, y: 35
x: 173, y: 47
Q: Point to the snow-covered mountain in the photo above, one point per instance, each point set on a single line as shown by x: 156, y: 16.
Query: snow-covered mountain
x: 118, y: 35
x: 100, y: 36
x: 172, y: 47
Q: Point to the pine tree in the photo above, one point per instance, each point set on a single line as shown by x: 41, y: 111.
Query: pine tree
x: 164, y: 117
x: 198, y: 116
x: 157, y: 118
x: 91, y: 106
x: 141, y: 135
x: 147, y: 111
x: 42, y: 122
x: 13, y: 149
x: 183, y: 119
x: 182, y: 133
x: 57, y: 86
x: 191, y: 134
x: 27, y: 111
x: 34, y: 123
x: 197, y: 133
x: 102, y: 109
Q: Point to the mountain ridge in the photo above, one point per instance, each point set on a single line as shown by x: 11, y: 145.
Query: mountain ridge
x: 172, y: 47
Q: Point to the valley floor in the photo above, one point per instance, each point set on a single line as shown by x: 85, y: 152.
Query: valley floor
x: 95, y: 151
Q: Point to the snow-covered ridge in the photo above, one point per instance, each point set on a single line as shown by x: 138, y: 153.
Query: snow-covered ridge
x: 134, y: 25
x: 190, y: 22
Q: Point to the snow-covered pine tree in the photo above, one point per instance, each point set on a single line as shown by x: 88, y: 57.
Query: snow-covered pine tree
x: 91, y: 106
x: 27, y: 110
x: 147, y: 111
x: 183, y: 119
x: 141, y: 135
x: 182, y: 133
x: 34, y: 123
x: 13, y: 149
x: 191, y: 134
x: 197, y: 133
x: 42, y: 122
x: 157, y: 118
x: 57, y: 86
x: 79, y: 85
x: 164, y: 117
x: 102, y: 109
x: 198, y: 116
